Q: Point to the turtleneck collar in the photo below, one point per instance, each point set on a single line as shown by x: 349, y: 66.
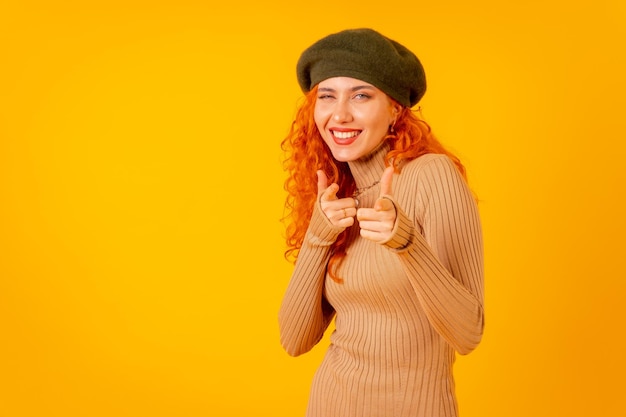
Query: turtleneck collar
x: 369, y: 169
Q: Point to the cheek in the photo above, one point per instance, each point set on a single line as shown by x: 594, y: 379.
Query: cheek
x: 320, y: 119
x: 384, y: 120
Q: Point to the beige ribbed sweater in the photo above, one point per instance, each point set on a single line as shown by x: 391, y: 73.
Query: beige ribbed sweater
x: 403, y: 308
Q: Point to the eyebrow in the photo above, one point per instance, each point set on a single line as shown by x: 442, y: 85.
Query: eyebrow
x: 355, y: 88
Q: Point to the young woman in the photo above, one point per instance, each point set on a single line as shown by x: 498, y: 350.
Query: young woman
x: 386, y: 234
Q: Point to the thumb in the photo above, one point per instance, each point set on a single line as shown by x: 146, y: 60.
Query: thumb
x: 325, y: 192
x: 385, y: 182
x: 322, y: 182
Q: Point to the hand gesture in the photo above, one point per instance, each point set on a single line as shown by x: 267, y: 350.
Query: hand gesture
x: 340, y: 211
x: 377, y: 223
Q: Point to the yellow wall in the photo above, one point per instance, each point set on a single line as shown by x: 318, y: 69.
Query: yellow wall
x: 141, y: 259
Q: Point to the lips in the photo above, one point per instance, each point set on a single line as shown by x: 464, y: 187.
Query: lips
x: 344, y: 137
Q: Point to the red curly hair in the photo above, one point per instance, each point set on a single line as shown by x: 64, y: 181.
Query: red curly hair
x: 306, y: 152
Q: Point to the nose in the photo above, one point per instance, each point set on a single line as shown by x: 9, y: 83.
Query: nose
x: 341, y: 112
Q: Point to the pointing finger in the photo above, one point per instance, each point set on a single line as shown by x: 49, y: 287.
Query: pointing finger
x: 384, y: 204
x: 330, y: 193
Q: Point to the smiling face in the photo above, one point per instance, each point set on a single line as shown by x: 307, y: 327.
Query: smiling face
x: 352, y: 116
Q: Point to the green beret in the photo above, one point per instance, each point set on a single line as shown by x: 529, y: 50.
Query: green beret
x: 366, y: 55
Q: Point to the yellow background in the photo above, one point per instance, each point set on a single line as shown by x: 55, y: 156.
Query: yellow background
x: 141, y: 262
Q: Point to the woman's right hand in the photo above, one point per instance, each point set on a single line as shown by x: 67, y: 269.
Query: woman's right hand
x: 340, y: 211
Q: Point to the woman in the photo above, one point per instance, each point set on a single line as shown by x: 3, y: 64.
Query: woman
x: 386, y: 234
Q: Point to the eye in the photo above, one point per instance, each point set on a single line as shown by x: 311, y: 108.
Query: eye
x: 361, y: 96
x: 324, y: 96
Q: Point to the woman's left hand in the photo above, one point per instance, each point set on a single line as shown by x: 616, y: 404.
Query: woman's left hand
x: 377, y: 223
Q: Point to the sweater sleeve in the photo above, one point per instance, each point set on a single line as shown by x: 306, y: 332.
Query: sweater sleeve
x: 304, y: 313
x: 444, y: 258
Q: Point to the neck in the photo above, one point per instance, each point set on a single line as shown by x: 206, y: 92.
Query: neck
x: 369, y: 169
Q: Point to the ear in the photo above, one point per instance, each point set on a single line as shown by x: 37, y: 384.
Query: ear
x: 395, y: 111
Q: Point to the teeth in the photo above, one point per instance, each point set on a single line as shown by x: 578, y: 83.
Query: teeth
x: 345, y: 135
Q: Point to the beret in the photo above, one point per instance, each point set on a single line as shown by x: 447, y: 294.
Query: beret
x: 366, y: 55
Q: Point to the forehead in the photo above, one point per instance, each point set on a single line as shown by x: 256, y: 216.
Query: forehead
x: 341, y: 83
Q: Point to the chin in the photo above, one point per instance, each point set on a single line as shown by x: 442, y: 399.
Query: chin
x: 343, y: 157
